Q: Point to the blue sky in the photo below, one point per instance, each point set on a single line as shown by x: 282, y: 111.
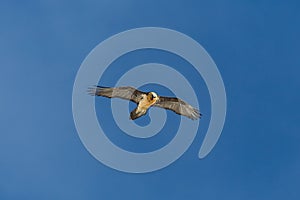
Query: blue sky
x: 255, y: 45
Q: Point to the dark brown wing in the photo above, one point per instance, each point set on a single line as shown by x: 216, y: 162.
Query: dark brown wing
x: 178, y: 106
x: 128, y: 93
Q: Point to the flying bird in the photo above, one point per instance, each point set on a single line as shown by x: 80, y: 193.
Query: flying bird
x: 145, y: 100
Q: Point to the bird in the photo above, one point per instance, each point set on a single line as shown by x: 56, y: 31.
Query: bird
x: 145, y: 100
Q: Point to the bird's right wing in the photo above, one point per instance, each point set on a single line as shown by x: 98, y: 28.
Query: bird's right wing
x: 128, y: 93
x: 178, y: 106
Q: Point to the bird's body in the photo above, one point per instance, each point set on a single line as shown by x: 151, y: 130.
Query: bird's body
x: 145, y: 100
x: 145, y: 103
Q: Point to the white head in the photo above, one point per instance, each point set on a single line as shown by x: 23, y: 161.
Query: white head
x: 152, y: 96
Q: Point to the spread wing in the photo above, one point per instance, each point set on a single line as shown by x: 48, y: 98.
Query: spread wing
x: 128, y: 93
x: 178, y: 106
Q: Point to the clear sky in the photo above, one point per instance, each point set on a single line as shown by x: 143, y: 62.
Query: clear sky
x: 255, y: 45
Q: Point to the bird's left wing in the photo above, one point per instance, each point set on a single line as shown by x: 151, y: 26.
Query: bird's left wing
x: 178, y: 106
x: 128, y: 93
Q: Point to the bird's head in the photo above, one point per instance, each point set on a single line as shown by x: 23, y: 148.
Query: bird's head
x: 152, y: 96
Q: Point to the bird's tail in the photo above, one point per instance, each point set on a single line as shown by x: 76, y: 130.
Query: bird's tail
x: 136, y: 114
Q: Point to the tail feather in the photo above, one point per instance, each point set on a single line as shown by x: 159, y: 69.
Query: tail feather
x: 136, y: 114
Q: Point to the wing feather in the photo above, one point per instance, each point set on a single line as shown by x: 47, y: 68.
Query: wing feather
x: 127, y: 93
x: 178, y: 106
